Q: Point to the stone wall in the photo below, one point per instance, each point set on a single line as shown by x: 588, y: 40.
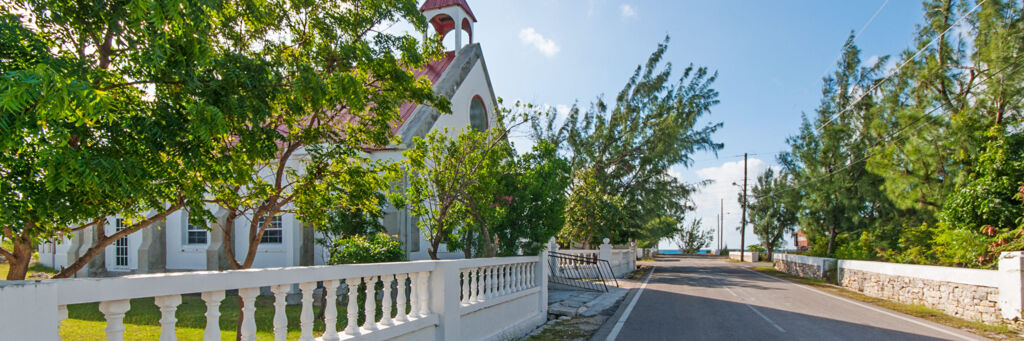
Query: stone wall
x: 967, y: 301
x: 804, y: 266
x: 798, y: 269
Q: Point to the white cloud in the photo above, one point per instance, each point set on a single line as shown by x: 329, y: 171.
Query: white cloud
x: 720, y: 195
x: 627, y: 11
x: 546, y: 47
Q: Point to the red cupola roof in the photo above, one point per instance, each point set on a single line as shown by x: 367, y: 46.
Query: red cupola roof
x: 437, y: 4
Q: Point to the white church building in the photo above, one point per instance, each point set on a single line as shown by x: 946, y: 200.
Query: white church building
x: 175, y: 245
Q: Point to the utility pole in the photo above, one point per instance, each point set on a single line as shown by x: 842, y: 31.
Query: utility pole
x: 743, y: 218
x: 721, y: 223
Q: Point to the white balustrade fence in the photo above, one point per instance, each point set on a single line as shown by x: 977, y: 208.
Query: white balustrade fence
x: 503, y: 297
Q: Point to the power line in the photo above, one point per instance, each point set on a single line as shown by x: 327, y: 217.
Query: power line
x: 900, y: 68
x: 890, y: 138
x: 840, y: 56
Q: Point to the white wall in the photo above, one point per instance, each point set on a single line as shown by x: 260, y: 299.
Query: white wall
x: 180, y: 255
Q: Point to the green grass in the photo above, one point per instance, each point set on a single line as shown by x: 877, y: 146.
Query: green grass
x: 85, y: 322
x: 1000, y: 331
x: 32, y: 269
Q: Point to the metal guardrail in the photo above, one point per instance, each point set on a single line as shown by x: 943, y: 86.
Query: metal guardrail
x: 580, y: 271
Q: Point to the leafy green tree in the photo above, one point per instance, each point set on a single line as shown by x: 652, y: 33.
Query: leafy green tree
x: 691, y: 237
x: 981, y: 216
x: 82, y: 138
x: 534, y: 202
x: 621, y: 154
x: 452, y: 189
x: 839, y: 197
x: 773, y: 212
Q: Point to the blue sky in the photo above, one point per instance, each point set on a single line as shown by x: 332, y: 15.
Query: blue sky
x: 770, y: 57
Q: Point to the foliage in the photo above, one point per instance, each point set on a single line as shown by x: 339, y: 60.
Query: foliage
x: 80, y: 137
x: 691, y: 237
x: 827, y: 158
x: 773, y: 212
x: 359, y: 249
x: 924, y: 165
x: 343, y: 224
x: 984, y: 206
x: 621, y: 153
x: 451, y: 186
x: 536, y: 205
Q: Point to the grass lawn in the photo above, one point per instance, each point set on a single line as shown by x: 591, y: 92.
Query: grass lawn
x: 996, y: 332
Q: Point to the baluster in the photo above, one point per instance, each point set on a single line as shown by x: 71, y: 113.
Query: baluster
x: 502, y: 280
x: 331, y: 310
x: 212, y: 299
x: 490, y: 282
x: 168, y: 305
x: 113, y: 312
x: 475, y: 290
x: 280, y: 316
x: 414, y: 295
x: 248, y: 296
x: 386, y: 301
x: 370, y: 305
x: 424, y: 294
x: 352, y: 325
x: 403, y: 297
x: 516, y: 277
x: 465, y: 287
x: 529, y: 275
x: 306, y: 315
x: 522, y: 278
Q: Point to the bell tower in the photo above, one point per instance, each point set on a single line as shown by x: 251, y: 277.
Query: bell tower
x: 450, y: 15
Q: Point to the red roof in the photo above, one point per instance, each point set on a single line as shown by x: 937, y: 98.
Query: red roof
x: 433, y: 71
x: 436, y: 4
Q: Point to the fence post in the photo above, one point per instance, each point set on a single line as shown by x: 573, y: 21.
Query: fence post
x: 552, y: 247
x: 444, y: 299
x: 1011, y: 297
x: 29, y: 310
x: 605, y: 253
x: 540, y: 275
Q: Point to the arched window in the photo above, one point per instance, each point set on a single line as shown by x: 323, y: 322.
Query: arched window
x: 478, y: 114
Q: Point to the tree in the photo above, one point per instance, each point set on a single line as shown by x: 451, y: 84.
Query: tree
x: 691, y: 238
x: 772, y: 212
x: 81, y: 136
x: 536, y: 203
x: 621, y: 154
x: 839, y: 197
x: 450, y: 186
x: 304, y: 109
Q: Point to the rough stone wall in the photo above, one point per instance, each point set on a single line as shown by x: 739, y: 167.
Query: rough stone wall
x: 798, y: 269
x: 971, y: 302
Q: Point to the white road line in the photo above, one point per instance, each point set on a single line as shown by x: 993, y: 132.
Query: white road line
x: 766, y: 318
x: 731, y: 292
x: 629, y: 308
x: 914, y: 321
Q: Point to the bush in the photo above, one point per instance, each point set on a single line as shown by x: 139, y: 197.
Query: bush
x: 378, y: 248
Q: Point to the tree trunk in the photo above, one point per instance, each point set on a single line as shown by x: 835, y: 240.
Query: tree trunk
x: 19, y: 259
x: 468, y: 250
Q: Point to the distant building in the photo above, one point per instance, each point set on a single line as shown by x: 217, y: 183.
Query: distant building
x: 800, y: 241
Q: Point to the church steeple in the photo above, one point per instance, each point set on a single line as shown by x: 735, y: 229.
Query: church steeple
x: 448, y: 15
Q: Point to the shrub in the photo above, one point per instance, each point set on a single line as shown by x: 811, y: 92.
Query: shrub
x: 376, y: 248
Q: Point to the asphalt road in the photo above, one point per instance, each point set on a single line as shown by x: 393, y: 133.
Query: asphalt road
x: 711, y: 299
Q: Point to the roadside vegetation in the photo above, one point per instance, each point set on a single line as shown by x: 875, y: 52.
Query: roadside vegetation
x: 915, y: 157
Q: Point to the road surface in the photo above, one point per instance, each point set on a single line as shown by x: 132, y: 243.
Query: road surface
x: 711, y: 299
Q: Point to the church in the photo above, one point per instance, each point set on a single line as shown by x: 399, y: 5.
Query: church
x: 175, y: 245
